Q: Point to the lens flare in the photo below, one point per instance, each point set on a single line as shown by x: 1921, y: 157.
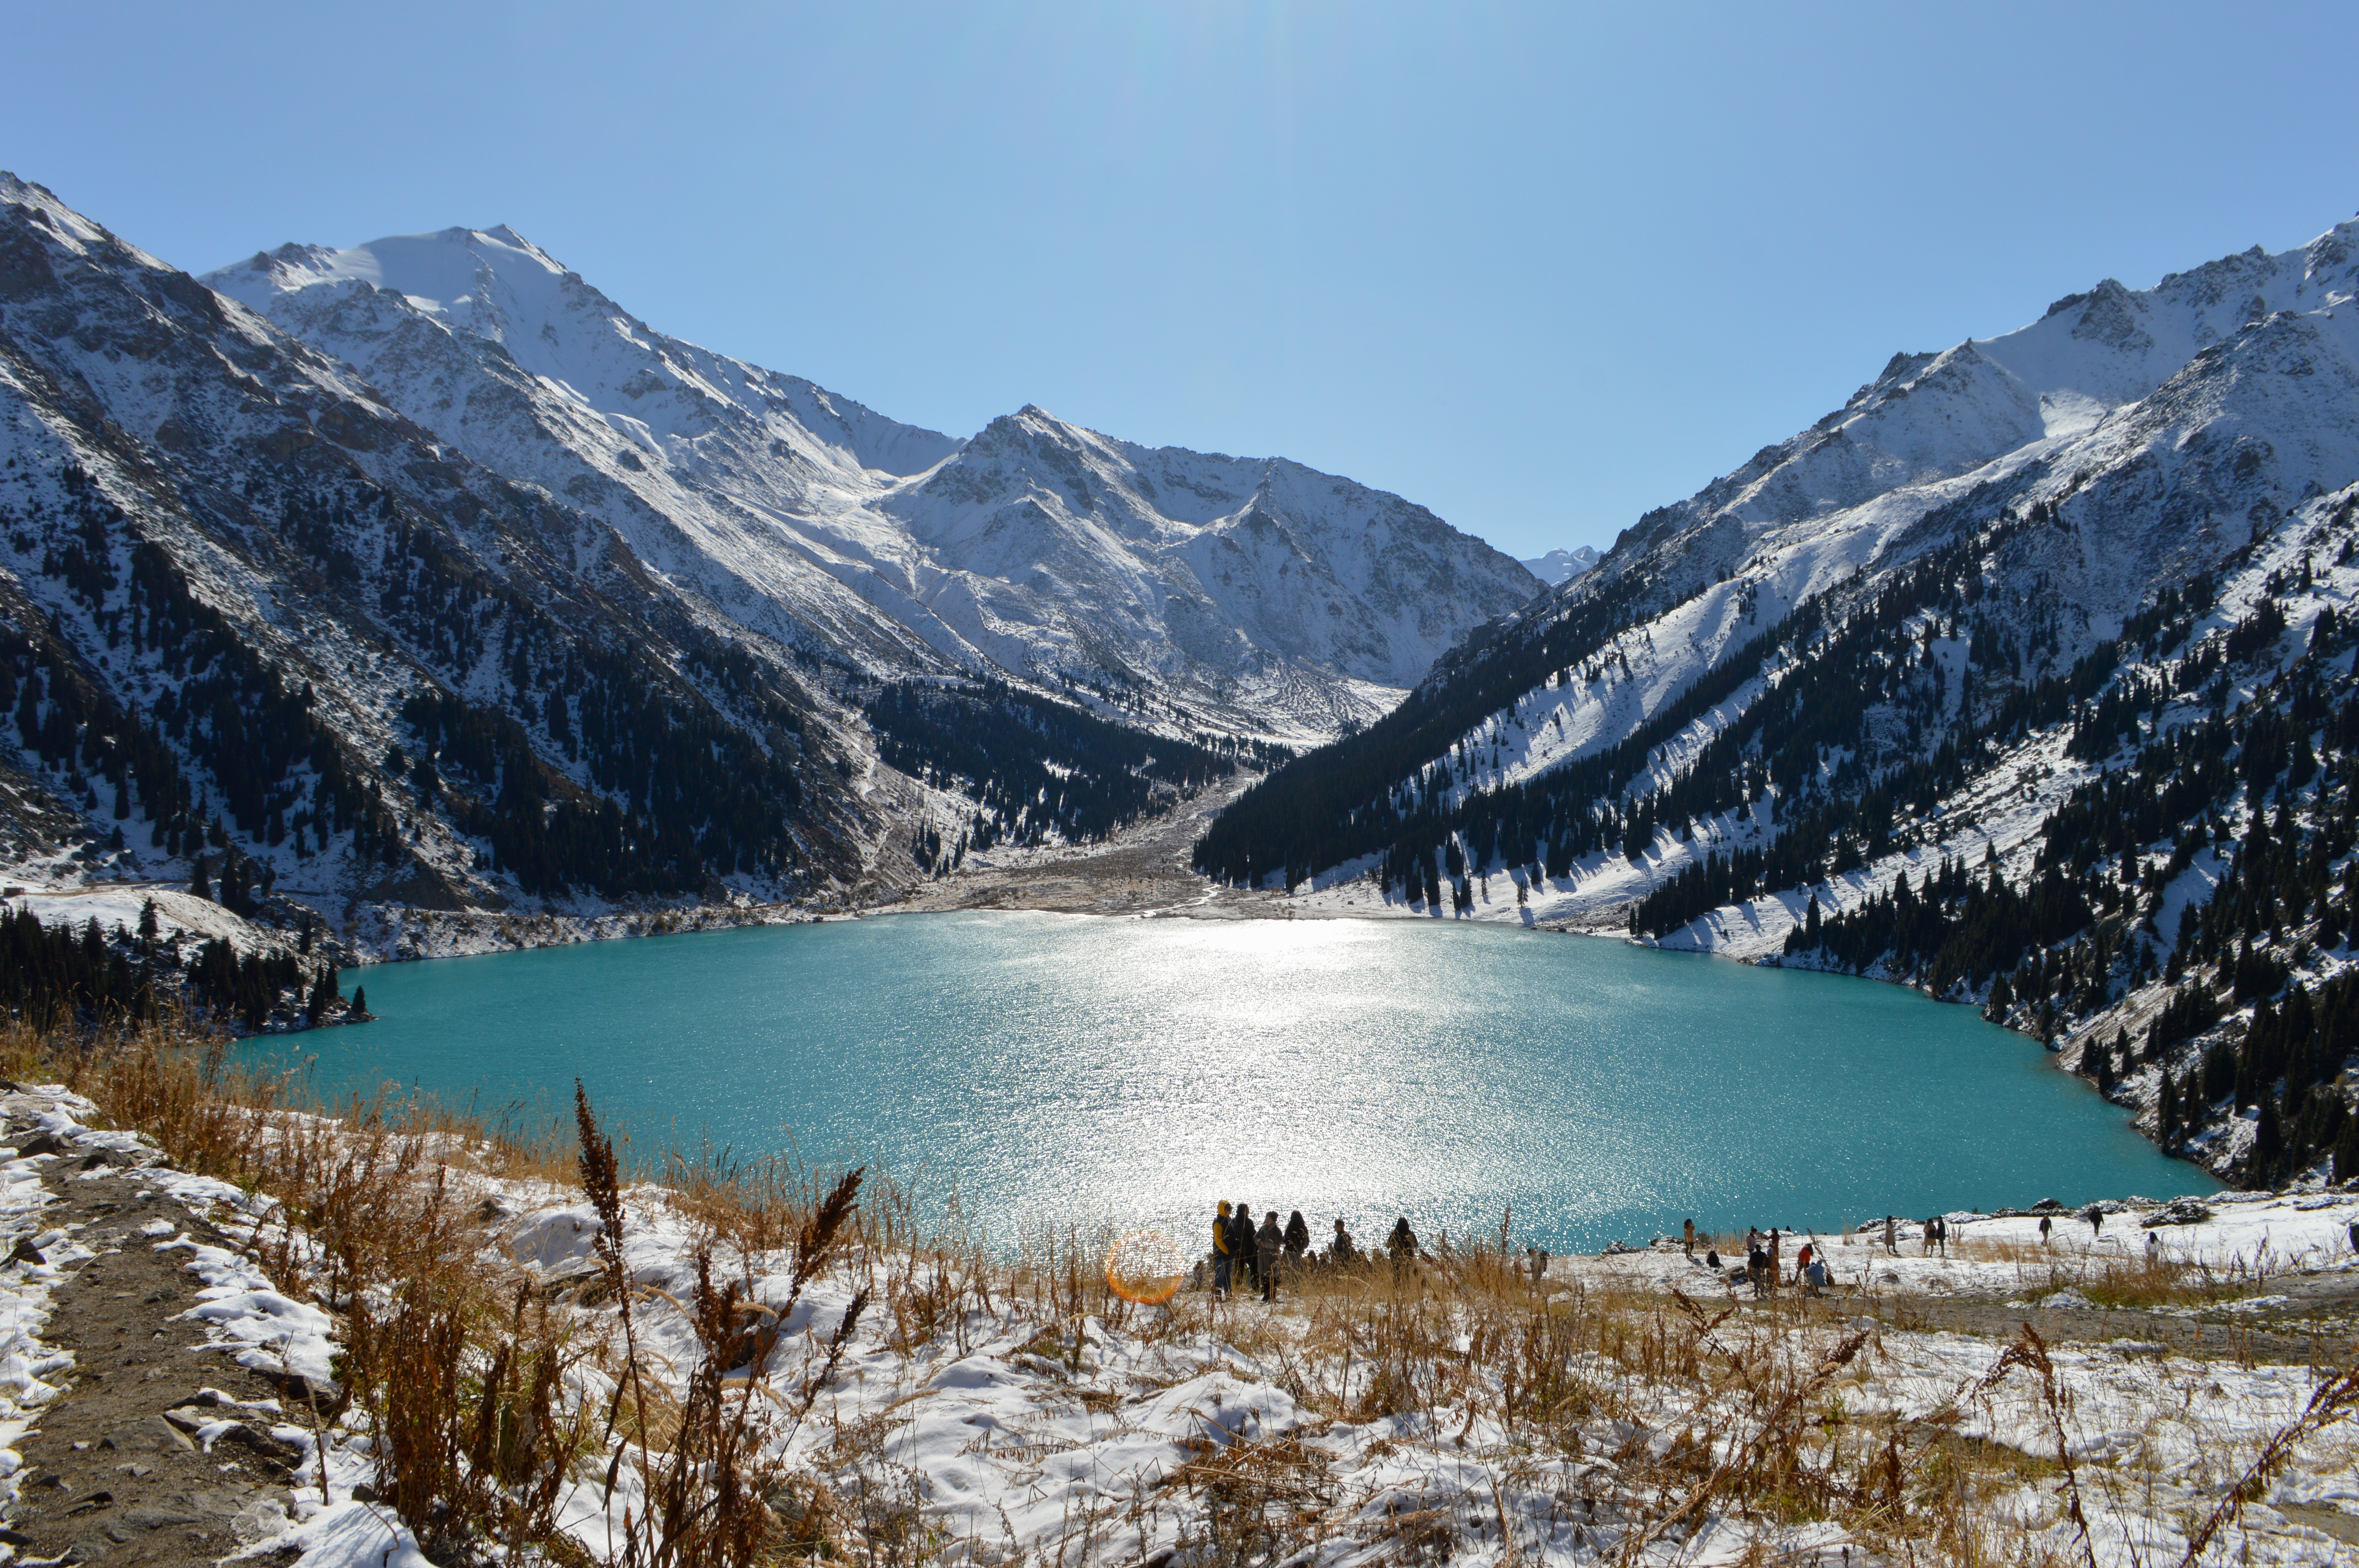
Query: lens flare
x: 1145, y: 1268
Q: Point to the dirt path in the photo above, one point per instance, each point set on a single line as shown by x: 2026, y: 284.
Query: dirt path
x: 2312, y: 1321
x: 1143, y: 871
x: 160, y: 1448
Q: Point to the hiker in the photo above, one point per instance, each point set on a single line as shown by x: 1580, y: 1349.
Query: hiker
x: 1539, y: 1264
x: 1712, y: 1259
x: 1247, y: 1249
x: 1341, y: 1250
x: 2044, y: 1223
x: 1776, y: 1258
x: 1297, y: 1238
x: 1272, y: 1244
x: 1401, y: 1247
x: 2097, y: 1218
x: 1941, y: 1234
x: 1756, y: 1265
x: 1928, y: 1237
x: 1891, y: 1237
x: 1687, y: 1237
x: 1802, y: 1259
x: 1221, y: 1256
x: 2153, y: 1250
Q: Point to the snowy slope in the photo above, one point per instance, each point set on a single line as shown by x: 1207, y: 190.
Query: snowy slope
x: 2165, y: 425
x: 2130, y: 438
x: 1243, y: 594
x: 207, y: 531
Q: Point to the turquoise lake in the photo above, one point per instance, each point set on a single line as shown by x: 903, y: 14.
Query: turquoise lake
x: 1070, y: 1068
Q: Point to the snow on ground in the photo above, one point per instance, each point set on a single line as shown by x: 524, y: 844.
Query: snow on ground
x: 1003, y: 1431
x: 29, y: 1370
x: 242, y: 1312
x: 2246, y: 1235
x: 179, y: 913
x: 1009, y: 1437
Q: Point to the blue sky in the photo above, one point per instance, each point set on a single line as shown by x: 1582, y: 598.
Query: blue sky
x: 1537, y: 267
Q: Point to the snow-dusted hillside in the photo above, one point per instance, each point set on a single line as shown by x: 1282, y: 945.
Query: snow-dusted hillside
x: 1906, y: 640
x: 1241, y: 595
x: 251, y: 613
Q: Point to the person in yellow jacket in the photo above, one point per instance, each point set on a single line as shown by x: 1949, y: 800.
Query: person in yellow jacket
x: 1221, y: 1261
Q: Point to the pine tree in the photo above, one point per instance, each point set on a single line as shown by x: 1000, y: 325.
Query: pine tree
x: 2002, y: 997
x: 359, y: 1002
x: 2269, y: 1140
x: 148, y: 925
x: 324, y: 994
x: 200, y: 882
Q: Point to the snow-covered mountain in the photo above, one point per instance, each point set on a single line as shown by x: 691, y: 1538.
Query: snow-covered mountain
x: 252, y: 615
x: 1922, y: 632
x: 465, y: 591
x: 1242, y: 595
x: 1559, y: 566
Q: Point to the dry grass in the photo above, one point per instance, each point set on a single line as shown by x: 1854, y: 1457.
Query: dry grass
x: 470, y: 1380
x: 491, y: 1401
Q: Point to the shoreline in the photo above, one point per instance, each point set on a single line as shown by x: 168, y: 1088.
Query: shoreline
x: 1140, y: 873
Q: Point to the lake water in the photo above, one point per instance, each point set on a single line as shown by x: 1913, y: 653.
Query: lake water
x: 1061, y: 1067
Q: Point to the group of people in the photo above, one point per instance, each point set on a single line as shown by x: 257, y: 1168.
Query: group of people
x: 1249, y: 1257
x: 1936, y: 1232
x: 1765, y: 1262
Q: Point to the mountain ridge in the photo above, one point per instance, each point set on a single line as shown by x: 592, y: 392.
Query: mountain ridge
x: 1036, y: 549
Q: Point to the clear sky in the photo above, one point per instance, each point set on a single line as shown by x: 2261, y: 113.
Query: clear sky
x: 1539, y: 267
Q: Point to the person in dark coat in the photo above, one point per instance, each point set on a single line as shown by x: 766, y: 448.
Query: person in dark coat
x: 1271, y: 1242
x: 1342, y: 1250
x: 1401, y: 1247
x: 1248, y: 1248
x: 1298, y: 1237
x: 1223, y: 1257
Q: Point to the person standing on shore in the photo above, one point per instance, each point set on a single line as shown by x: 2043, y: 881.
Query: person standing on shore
x: 1941, y: 1234
x: 2045, y: 1222
x: 1341, y: 1250
x: 1401, y: 1248
x: 1246, y: 1248
x: 1272, y: 1246
x: 1298, y: 1237
x: 1687, y: 1237
x: 2097, y: 1218
x: 1891, y: 1237
x: 1221, y: 1256
x: 1776, y: 1259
